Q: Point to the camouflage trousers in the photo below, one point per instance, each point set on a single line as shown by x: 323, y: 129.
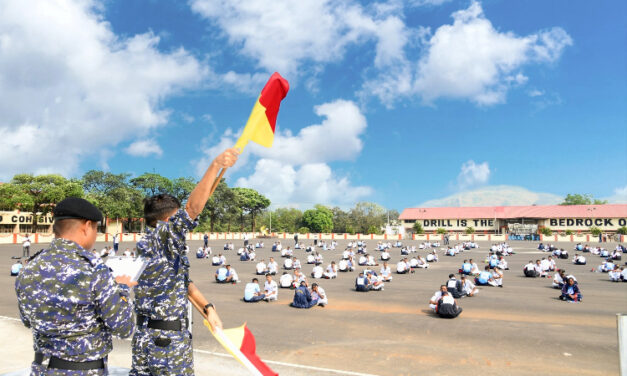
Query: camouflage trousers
x: 162, y: 352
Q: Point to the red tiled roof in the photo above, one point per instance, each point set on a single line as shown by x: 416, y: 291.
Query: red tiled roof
x: 510, y: 212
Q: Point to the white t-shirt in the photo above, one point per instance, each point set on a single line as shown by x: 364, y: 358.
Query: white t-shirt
x: 26, y: 242
x: 286, y: 280
x: 385, y: 271
x: 317, y: 271
x: 343, y: 265
x: 261, y: 267
x: 272, y: 267
x: 401, y: 266
x: 270, y: 287
x: 287, y: 263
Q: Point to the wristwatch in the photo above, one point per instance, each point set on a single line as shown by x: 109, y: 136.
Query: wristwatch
x: 207, y: 306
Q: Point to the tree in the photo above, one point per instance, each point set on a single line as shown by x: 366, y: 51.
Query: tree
x: 284, y: 219
x: 319, y: 219
x: 341, y: 221
x: 252, y: 202
x: 42, y: 192
x: 373, y: 230
x: 366, y: 214
x: 622, y: 230
x: 113, y: 194
x: 152, y: 184
x: 418, y: 228
x: 579, y: 199
x: 546, y: 231
x: 218, y: 204
x: 11, y: 196
x: 182, y: 187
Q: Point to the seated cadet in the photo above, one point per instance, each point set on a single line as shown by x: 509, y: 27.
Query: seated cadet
x: 422, y: 263
x: 541, y: 247
x: 454, y: 286
x: 273, y: 267
x: 374, y: 281
x: 447, y: 307
x: 466, y: 268
x: 530, y: 270
x: 274, y: 247
x: 371, y: 261
x: 433, y: 303
x: 311, y: 259
x: 279, y: 247
x: 386, y: 272
x: 271, y: 289
x: 298, y: 278
x: 287, y: 252
x: 552, y: 265
x: 623, y: 275
x: 346, y: 254
x: 261, y: 268
x: 288, y: 264
x: 286, y: 280
x: 343, y: 265
x: 468, y: 287
x: 221, y: 275
x: 402, y: 267
x: 558, y: 279
x: 361, y: 283
x: 545, y: 265
x: 579, y: 260
x: 607, y: 266
x: 563, y: 254
x: 331, y: 271
x: 226, y: 246
x: 604, y: 252
x: 317, y: 272
x: 252, y: 292
x: 485, y: 277
x: 570, y: 291
x: 215, y: 260
x: 493, y: 261
x: 385, y: 255
x: 363, y: 260
x: 245, y: 256
x: 432, y: 257
x: 319, y: 295
x: 302, y: 297
x: 15, y: 268
x: 318, y: 258
x: 404, y: 251
x: 616, y: 255
x: 579, y: 247
x: 200, y: 253
x: 615, y: 274
x: 413, y: 262
x: 252, y: 255
x: 497, y: 277
x: 475, y: 268
x: 502, y: 264
x: 296, y: 263
x: 450, y: 252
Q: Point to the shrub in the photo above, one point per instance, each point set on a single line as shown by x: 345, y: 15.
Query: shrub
x: 569, y: 232
x: 546, y: 231
x: 373, y: 230
x: 595, y: 231
x: 350, y: 230
x: 303, y: 230
x: 470, y: 230
x: 440, y: 230
x: 418, y: 228
x: 622, y: 230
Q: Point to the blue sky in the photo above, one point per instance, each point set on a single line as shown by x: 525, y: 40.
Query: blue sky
x: 430, y: 102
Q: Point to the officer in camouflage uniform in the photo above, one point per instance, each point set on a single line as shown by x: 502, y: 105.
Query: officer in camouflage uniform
x: 69, y: 298
x: 162, y: 344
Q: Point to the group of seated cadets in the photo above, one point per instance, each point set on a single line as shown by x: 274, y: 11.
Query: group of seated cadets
x: 444, y: 304
x: 368, y: 280
x: 305, y: 298
x: 253, y: 294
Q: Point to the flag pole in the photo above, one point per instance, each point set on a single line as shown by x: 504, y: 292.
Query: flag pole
x: 240, y: 144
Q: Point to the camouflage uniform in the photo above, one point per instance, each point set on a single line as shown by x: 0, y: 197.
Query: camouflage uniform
x: 162, y: 295
x: 69, y: 298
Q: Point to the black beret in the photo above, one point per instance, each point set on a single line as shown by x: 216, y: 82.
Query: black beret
x: 74, y: 207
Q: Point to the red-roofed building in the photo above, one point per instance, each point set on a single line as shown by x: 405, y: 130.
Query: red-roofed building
x: 518, y: 219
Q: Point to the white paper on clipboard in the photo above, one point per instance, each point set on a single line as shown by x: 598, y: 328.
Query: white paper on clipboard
x: 122, y: 265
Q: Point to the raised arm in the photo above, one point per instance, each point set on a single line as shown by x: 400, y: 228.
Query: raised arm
x: 199, y: 196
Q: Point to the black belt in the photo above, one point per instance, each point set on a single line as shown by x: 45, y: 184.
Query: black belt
x: 160, y: 324
x: 59, y: 363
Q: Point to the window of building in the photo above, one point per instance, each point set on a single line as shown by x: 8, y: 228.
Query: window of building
x: 6, y: 229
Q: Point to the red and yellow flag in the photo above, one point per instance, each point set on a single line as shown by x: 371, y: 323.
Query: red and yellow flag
x: 240, y: 343
x: 262, y: 119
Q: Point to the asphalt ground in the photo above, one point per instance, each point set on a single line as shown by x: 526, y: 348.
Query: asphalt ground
x: 520, y: 329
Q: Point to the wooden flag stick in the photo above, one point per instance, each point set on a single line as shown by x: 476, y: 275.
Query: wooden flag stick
x: 217, y: 181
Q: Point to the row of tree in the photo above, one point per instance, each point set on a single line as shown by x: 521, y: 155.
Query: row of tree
x: 119, y: 196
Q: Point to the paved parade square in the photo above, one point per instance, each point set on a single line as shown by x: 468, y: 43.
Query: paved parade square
x: 521, y: 329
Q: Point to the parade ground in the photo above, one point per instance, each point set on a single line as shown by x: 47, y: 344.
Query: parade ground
x: 520, y: 329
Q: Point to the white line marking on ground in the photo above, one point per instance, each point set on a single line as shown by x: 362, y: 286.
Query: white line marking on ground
x: 267, y: 361
x: 292, y: 365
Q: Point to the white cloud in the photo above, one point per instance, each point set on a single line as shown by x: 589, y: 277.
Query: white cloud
x: 295, y: 170
x: 535, y: 93
x: 468, y: 59
x: 284, y: 36
x: 144, y: 148
x: 473, y: 174
x: 73, y: 88
x: 495, y: 195
x: 420, y: 3
x: 619, y: 197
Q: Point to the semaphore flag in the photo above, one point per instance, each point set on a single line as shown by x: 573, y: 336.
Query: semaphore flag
x: 262, y: 119
x: 240, y: 343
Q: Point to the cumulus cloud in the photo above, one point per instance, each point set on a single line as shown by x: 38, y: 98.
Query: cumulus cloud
x: 619, y: 196
x: 473, y: 174
x: 496, y: 195
x: 144, y: 148
x: 468, y: 59
x: 296, y: 171
x: 284, y: 36
x: 73, y: 88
